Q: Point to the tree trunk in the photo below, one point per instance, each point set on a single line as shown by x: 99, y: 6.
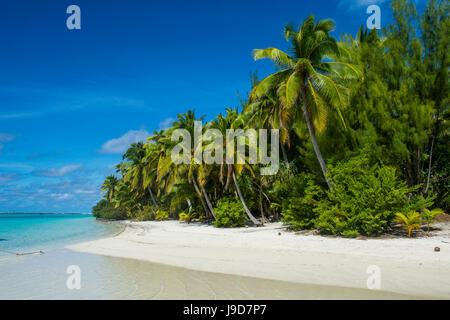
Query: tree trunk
x: 189, y: 204
x: 261, y: 208
x: 238, y: 190
x: 283, y: 152
x: 429, y: 166
x: 312, y: 134
x: 199, y: 194
x: 229, y: 173
x: 153, y: 199
x: 211, y: 209
x: 151, y: 195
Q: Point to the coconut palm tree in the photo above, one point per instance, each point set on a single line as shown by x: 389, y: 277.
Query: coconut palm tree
x: 232, y: 120
x: 109, y: 186
x: 430, y: 215
x: 268, y: 113
x: 193, y: 173
x: 309, y: 78
x: 124, y: 197
x: 135, y: 166
x: 409, y: 221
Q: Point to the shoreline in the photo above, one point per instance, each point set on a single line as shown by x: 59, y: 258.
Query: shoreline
x: 408, y: 266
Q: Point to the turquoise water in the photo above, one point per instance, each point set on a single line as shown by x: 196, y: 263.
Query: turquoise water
x: 28, y: 232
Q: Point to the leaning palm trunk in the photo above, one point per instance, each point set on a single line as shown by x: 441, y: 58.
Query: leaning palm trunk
x: 283, y: 152
x: 189, y: 204
x: 261, y: 207
x: 238, y: 190
x: 211, y: 209
x: 152, y: 196
x: 199, y: 194
x: 312, y: 134
x: 429, y: 166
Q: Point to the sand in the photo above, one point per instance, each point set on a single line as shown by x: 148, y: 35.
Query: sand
x: 407, y: 266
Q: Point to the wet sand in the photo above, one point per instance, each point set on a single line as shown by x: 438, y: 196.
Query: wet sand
x: 102, y: 277
x: 409, y: 267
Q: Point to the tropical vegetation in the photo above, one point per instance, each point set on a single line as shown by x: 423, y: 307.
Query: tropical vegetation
x: 363, y: 135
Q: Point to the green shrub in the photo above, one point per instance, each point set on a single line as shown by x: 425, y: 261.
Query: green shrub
x: 106, y: 210
x: 188, y: 216
x: 350, y: 234
x: 430, y: 215
x: 365, y: 199
x: 298, y: 208
x: 409, y: 221
x: 229, y: 213
x: 147, y: 214
x: 161, y: 215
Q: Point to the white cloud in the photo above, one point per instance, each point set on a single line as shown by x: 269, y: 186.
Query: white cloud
x: 166, y: 123
x: 60, y: 196
x: 6, y: 177
x: 58, y: 172
x: 5, y: 137
x: 353, y: 4
x: 121, y: 144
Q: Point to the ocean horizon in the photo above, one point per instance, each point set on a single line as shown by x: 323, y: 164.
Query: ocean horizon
x: 20, y: 232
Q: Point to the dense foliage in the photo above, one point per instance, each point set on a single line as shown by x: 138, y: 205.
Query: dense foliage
x: 106, y: 210
x: 364, y: 136
x: 365, y: 199
x: 229, y: 213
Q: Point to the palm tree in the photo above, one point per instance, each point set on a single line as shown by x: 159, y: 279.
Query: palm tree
x: 430, y: 215
x: 109, y: 186
x: 136, y: 166
x: 124, y: 197
x: 409, y: 221
x: 268, y: 113
x: 193, y: 173
x: 137, y: 170
x: 232, y: 120
x: 150, y: 171
x: 308, y: 77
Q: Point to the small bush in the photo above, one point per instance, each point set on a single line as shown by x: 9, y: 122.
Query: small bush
x: 188, y: 216
x: 298, y: 209
x: 350, y: 234
x: 106, y: 210
x: 161, y: 215
x: 365, y: 199
x: 430, y: 215
x: 147, y: 214
x: 409, y: 221
x: 229, y: 213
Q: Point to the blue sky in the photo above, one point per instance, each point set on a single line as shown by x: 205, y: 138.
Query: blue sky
x: 71, y: 101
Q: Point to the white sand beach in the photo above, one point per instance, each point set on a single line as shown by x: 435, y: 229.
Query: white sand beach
x: 408, y: 266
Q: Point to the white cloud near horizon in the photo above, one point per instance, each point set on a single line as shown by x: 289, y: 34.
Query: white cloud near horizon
x: 61, y: 196
x: 121, y: 144
x: 7, y: 177
x: 53, y: 172
x: 4, y: 138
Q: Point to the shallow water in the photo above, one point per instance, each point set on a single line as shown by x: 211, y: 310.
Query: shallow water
x: 44, y: 276
x: 29, y: 232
